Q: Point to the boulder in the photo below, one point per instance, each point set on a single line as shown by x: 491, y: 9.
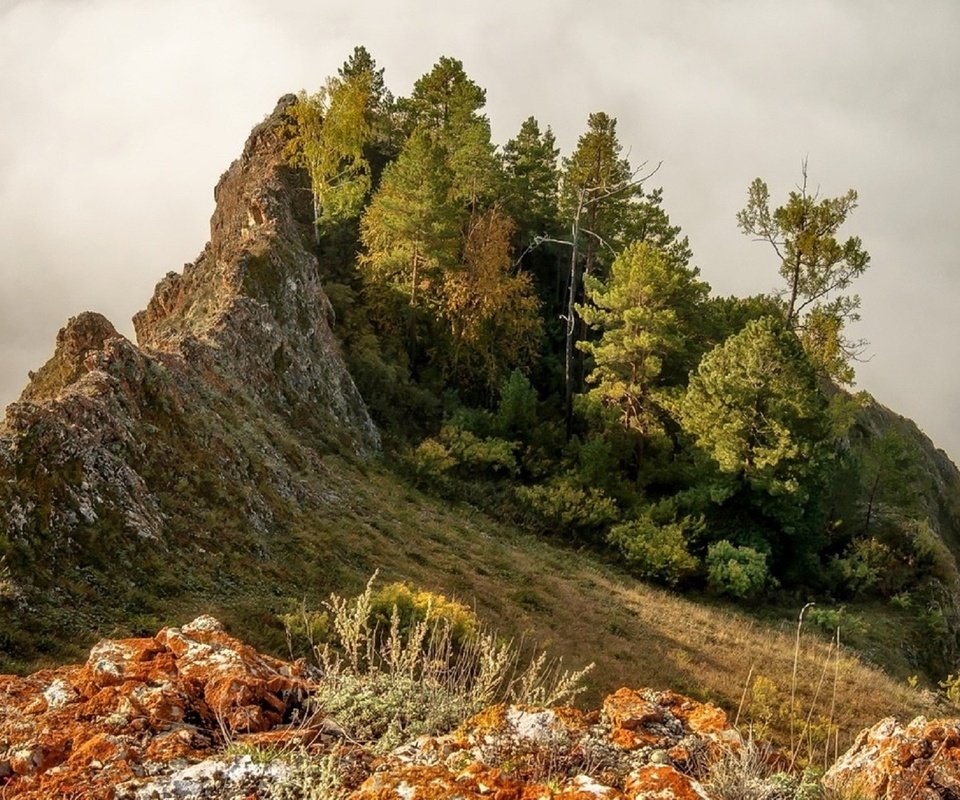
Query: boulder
x: 891, y: 761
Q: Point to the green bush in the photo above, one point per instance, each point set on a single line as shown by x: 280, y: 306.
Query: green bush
x: 491, y: 456
x: 656, y: 552
x: 386, y: 687
x: 736, y: 571
x: 562, y: 507
x: 431, y: 462
x: 859, y: 570
x: 828, y: 620
x: 414, y: 606
x: 517, y: 412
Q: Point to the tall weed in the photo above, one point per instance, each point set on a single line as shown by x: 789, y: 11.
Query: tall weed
x: 386, y: 686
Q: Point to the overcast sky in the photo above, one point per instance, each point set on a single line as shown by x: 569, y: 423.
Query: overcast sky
x: 118, y: 116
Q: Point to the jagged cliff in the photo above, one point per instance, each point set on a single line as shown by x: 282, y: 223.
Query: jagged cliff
x: 229, y: 400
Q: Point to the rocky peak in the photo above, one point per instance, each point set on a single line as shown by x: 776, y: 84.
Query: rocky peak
x: 77, y: 344
x: 254, y: 295
x: 261, y: 203
x: 211, y: 427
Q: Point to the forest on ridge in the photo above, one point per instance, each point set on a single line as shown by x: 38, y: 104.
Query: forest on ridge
x: 532, y: 336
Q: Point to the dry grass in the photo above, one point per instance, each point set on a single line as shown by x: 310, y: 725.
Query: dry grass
x: 587, y: 611
x: 573, y: 604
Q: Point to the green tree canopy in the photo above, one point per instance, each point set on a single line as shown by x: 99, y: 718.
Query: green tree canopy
x: 446, y: 104
x: 410, y: 231
x: 332, y: 130
x: 596, y: 189
x: 644, y: 313
x: 755, y: 408
x: 531, y: 180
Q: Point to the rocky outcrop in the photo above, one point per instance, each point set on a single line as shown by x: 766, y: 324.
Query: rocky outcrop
x: 206, y: 434
x: 642, y: 744
x: 193, y: 712
x: 140, y: 708
x: 252, y: 302
x: 890, y: 761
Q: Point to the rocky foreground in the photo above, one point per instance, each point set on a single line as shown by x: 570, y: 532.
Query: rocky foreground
x: 196, y: 713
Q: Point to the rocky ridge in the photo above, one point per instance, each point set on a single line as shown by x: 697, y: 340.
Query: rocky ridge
x: 235, y: 391
x: 195, y: 713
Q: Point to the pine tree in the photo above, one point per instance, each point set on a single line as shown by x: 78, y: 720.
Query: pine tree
x: 596, y: 190
x: 644, y: 314
x: 817, y: 268
x: 754, y: 406
x: 446, y: 104
x: 410, y: 231
x: 531, y: 181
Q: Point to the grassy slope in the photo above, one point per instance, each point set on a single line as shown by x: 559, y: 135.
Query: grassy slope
x: 573, y: 603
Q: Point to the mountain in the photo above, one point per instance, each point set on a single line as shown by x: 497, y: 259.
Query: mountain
x: 226, y: 463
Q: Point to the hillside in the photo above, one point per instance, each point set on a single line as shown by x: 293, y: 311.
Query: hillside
x: 226, y: 463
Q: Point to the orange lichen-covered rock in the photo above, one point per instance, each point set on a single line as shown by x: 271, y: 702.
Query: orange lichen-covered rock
x: 645, y: 744
x: 919, y: 761
x: 151, y: 718
x: 139, y: 707
x: 663, y: 782
x: 646, y: 718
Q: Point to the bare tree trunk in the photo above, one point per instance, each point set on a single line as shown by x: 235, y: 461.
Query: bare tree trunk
x: 571, y: 334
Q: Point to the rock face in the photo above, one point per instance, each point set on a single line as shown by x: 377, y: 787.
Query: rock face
x: 153, y: 718
x: 642, y: 744
x: 919, y: 761
x: 252, y: 302
x: 119, y: 452
x: 140, y: 707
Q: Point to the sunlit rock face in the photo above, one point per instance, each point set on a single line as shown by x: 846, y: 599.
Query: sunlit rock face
x: 180, y: 713
x: 891, y: 761
x: 235, y: 391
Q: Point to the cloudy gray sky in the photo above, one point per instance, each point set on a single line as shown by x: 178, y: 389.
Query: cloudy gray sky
x: 119, y: 116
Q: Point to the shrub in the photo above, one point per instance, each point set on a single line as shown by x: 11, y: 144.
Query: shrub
x: 951, y: 688
x: 903, y: 601
x: 413, y: 606
x: 307, y: 777
x: 561, y: 506
x: 736, y: 571
x: 492, y: 456
x: 655, y: 552
x: 458, y: 451
x: 309, y: 625
x: 386, y: 686
x: 828, y: 620
x: 860, y: 568
x: 598, y: 464
x: 431, y: 462
x: 517, y: 412
x: 748, y: 772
